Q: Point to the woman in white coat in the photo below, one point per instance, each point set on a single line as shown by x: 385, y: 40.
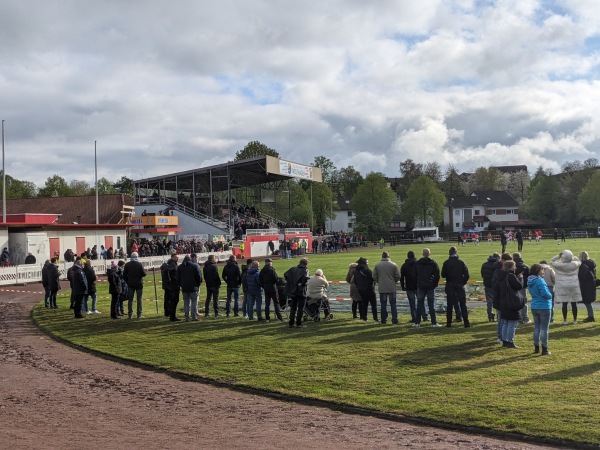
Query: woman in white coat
x: 566, y: 287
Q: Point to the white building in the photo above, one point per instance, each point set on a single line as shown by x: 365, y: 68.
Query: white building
x: 484, y: 210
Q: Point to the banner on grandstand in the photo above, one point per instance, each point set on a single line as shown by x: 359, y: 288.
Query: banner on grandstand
x: 195, y: 237
x: 295, y: 170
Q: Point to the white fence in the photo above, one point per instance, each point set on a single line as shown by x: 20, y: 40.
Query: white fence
x: 31, y: 273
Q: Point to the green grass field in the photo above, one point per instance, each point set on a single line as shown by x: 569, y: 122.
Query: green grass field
x: 459, y: 376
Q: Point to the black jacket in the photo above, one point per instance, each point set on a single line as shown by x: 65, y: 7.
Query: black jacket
x: 90, y: 276
x: 587, y: 281
x: 45, y: 274
x: 427, y: 273
x: 500, y: 294
x: 211, y: 275
x: 487, y: 271
x: 53, y: 278
x: 79, y: 281
x: 133, y: 272
x: 363, y: 278
x: 455, y: 271
x: 232, y: 275
x: 296, y: 276
x: 171, y: 272
x: 408, y: 278
x: 521, y: 268
x: 189, y: 276
x: 268, y: 279
x: 114, y: 281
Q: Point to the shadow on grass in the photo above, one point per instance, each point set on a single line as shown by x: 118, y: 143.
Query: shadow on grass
x: 566, y: 374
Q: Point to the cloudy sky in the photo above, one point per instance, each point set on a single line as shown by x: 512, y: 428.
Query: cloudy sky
x: 169, y: 86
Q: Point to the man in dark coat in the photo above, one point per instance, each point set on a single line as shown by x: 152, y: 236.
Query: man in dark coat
x: 133, y: 274
x: 114, y: 289
x: 79, y: 287
x: 524, y: 269
x: 232, y: 276
x: 363, y: 279
x: 408, y: 283
x: 268, y: 280
x: 487, y: 274
x: 189, y: 279
x: 45, y: 283
x: 53, y: 282
x: 296, y: 278
x: 427, y: 273
x: 213, y: 282
x: 456, y: 273
x: 173, y: 287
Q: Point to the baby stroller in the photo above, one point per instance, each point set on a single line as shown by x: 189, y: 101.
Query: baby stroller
x: 313, y: 308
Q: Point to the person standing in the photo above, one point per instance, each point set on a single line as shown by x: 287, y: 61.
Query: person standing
x: 541, y: 305
x: 53, y: 282
x: 90, y: 275
x: 456, y: 273
x: 566, y: 287
x: 245, y: 269
x: 354, y: 294
x: 519, y: 237
x: 427, y: 273
x: 173, y: 286
x: 487, y: 274
x: 45, y: 283
x: 550, y: 279
x: 503, y: 241
x: 268, y: 280
x: 524, y: 269
x: 363, y: 278
x: 408, y: 283
x: 254, y: 292
x: 296, y: 279
x: 79, y: 287
x: 213, y: 283
x: 114, y: 289
x: 232, y: 276
x: 507, y: 288
x: 164, y: 272
x: 587, y: 284
x: 133, y: 273
x: 189, y: 279
x: 386, y: 275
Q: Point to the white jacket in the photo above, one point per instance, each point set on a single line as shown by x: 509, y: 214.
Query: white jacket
x: 566, y: 284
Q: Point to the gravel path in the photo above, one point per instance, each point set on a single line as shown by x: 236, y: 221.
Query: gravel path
x: 54, y: 396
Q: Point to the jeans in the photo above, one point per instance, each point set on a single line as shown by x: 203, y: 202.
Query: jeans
x: 84, y: 304
x: 212, y: 293
x: 489, y: 300
x: 590, y: 310
x: 138, y: 292
x: 509, y: 327
x: 52, y: 299
x: 430, y: 294
x: 455, y: 295
x: 235, y: 292
x: 268, y: 297
x: 383, y: 298
x: 254, y: 300
x: 190, y: 301
x: 541, y: 323
x: 47, y: 297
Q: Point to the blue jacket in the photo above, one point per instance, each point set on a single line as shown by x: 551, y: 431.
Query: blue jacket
x: 252, y: 279
x: 541, y: 297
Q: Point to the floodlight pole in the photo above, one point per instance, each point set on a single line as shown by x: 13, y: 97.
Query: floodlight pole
x: 3, y: 179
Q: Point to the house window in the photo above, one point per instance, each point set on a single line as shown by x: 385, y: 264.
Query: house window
x: 349, y: 213
x: 456, y: 225
x: 457, y: 212
x: 477, y: 212
x: 493, y: 212
x: 350, y: 225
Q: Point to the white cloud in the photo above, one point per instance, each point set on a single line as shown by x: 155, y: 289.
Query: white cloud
x: 366, y: 84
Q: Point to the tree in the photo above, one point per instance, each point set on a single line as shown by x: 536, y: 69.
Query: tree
x: 349, y: 181
x: 124, y: 185
x: 78, y: 187
x: 410, y: 171
x: 487, y: 180
x: 588, y: 206
x: 543, y: 201
x: 18, y: 189
x: 518, y: 185
x: 105, y: 187
x: 434, y: 171
x: 55, y: 186
x: 424, y: 203
x: 254, y: 149
x: 375, y: 205
x: 453, y: 186
x: 328, y: 169
x: 322, y: 201
x: 571, y: 185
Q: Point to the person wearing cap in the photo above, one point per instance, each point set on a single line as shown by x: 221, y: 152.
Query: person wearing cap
x: 232, y: 276
x: 456, y: 273
x: 386, y: 275
x: 296, y: 279
x: 114, y: 289
x: 268, y: 280
x: 316, y: 288
x: 133, y: 273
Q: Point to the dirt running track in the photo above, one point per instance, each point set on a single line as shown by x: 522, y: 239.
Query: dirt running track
x: 56, y: 397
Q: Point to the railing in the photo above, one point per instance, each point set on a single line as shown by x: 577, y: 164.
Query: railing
x: 261, y: 231
x: 196, y: 215
x: 32, y: 273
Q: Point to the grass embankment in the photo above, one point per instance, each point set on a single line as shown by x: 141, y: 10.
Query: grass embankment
x: 459, y: 376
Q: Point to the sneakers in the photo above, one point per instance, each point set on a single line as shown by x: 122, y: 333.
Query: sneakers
x: 436, y: 325
x: 90, y: 312
x: 96, y: 312
x: 574, y: 322
x: 416, y: 325
x: 566, y: 322
x: 140, y: 317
